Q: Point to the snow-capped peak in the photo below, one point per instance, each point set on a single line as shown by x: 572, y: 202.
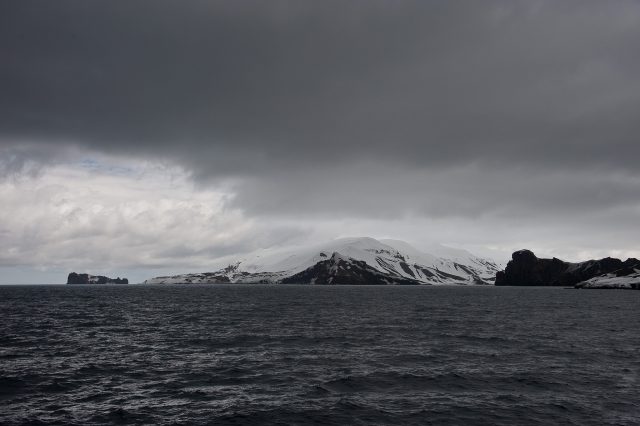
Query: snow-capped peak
x: 394, y: 259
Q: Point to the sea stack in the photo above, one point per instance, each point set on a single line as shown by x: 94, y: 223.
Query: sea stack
x: 75, y: 278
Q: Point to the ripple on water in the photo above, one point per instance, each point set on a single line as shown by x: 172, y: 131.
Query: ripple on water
x: 317, y: 355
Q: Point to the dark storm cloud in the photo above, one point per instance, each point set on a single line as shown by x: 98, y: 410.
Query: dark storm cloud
x: 250, y: 89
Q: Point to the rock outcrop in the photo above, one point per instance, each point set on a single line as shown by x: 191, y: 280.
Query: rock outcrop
x: 525, y: 269
x: 75, y: 278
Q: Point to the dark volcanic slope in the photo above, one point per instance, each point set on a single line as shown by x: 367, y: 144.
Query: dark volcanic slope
x: 342, y: 270
x: 525, y: 269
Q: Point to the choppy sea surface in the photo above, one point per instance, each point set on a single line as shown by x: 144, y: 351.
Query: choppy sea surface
x: 225, y: 354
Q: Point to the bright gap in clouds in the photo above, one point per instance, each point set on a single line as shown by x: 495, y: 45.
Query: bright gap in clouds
x: 114, y: 217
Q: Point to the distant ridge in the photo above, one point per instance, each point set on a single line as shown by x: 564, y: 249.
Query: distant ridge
x: 350, y: 261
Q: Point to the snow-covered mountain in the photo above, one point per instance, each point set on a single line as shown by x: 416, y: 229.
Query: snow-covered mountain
x: 351, y: 261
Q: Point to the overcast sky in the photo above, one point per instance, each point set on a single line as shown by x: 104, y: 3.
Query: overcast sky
x: 146, y: 137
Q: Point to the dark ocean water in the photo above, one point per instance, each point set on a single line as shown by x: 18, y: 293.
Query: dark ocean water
x: 318, y: 355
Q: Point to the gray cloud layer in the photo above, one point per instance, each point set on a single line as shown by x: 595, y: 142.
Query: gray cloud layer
x: 508, y: 109
x: 424, y: 83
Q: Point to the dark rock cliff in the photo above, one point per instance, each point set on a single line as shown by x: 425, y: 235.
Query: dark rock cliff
x: 525, y: 269
x: 75, y: 278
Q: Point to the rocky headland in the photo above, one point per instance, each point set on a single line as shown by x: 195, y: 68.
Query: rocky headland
x: 525, y: 269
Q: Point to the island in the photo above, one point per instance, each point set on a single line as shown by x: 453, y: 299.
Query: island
x: 75, y: 278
